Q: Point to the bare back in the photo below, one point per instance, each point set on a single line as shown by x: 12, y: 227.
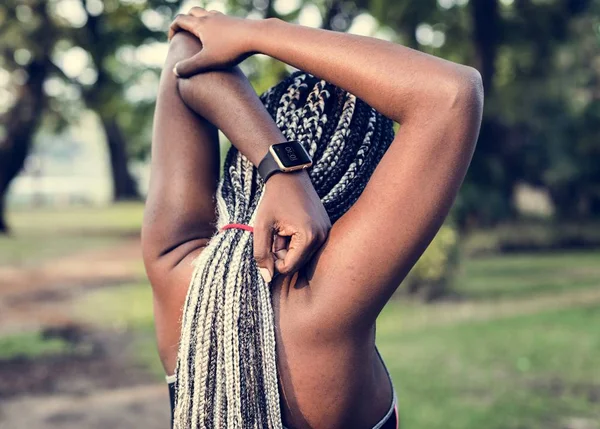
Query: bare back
x: 328, y: 378
x: 330, y: 374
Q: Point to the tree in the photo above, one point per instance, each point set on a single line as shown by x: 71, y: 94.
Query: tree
x: 570, y: 167
x: 30, y: 69
x: 107, y: 27
x: 34, y: 32
x: 526, y: 132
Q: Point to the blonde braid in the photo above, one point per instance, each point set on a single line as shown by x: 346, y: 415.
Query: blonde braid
x: 226, y: 374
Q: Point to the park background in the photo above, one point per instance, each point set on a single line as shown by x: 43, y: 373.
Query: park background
x: 497, y: 326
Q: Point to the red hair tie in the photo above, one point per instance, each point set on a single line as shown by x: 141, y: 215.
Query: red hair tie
x: 237, y: 226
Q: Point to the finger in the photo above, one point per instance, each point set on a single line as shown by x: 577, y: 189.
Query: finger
x: 280, y: 244
x: 301, y: 247
x: 280, y: 254
x: 194, y: 65
x: 198, y: 11
x: 263, y: 242
x: 185, y: 23
x: 173, y: 28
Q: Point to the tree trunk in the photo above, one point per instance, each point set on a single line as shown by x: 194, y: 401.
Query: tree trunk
x: 485, y: 19
x: 124, y: 185
x: 21, y: 122
x: 492, y: 147
x: 3, y: 225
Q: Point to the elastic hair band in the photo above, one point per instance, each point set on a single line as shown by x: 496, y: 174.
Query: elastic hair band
x: 238, y: 226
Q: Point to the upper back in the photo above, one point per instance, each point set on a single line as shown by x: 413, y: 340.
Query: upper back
x: 329, y: 377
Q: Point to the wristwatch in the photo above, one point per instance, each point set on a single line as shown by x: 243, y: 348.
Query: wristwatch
x: 284, y: 157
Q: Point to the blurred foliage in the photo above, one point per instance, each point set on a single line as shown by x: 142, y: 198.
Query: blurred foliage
x: 531, y: 236
x: 85, y: 52
x: 528, y: 275
x: 434, y: 273
x: 23, y: 73
x: 540, y: 62
x: 31, y: 345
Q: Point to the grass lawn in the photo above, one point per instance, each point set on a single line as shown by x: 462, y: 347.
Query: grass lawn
x: 125, y: 308
x: 31, y: 345
x: 519, y: 350
x: 514, y: 275
x: 38, y: 235
x: 537, y: 368
x: 529, y: 371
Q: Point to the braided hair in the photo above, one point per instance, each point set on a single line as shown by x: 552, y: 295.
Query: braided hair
x: 226, y: 374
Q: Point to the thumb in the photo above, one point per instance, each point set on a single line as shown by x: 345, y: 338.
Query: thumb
x: 194, y: 65
x: 263, y: 242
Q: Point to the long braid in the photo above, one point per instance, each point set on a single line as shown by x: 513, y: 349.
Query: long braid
x: 226, y: 364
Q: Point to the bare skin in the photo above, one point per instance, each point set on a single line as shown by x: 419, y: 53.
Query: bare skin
x: 334, y: 286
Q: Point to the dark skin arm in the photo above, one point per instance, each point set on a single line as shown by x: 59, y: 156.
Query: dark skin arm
x: 179, y: 215
x: 179, y: 212
x: 439, y: 106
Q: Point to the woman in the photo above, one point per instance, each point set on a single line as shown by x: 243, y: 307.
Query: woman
x: 267, y: 286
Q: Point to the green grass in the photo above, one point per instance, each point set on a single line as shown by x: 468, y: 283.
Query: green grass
x: 128, y: 306
x: 38, y: 235
x: 532, y: 370
x: 31, y: 345
x: 122, y: 217
x: 124, y: 308
x: 529, y: 371
x: 518, y: 350
x: 528, y: 235
x: 512, y: 276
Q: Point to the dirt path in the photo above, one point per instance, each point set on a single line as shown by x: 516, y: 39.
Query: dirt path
x: 32, y: 298
x: 126, y: 408
x: 95, y: 386
x: 101, y: 387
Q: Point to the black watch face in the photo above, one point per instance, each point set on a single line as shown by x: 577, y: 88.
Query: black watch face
x: 291, y: 154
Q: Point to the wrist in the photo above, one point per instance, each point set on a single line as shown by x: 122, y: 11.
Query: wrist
x: 259, y: 33
x: 286, y: 157
x: 286, y: 179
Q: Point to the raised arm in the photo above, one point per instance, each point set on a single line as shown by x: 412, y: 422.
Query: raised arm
x: 374, y: 70
x: 438, y: 105
x: 180, y: 216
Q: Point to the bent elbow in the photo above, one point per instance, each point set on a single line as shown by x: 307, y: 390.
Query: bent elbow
x: 467, y: 90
